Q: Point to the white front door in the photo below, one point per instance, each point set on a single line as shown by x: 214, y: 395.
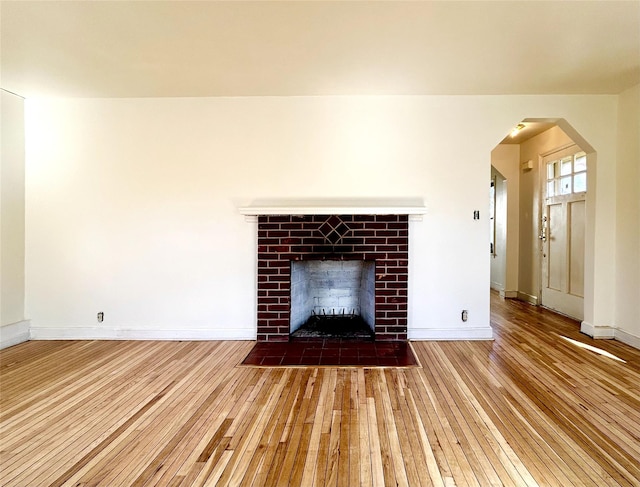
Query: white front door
x: 562, y: 232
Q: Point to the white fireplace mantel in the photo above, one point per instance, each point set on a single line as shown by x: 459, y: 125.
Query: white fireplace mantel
x: 414, y: 208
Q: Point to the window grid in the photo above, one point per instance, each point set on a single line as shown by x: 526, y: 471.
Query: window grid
x: 567, y: 175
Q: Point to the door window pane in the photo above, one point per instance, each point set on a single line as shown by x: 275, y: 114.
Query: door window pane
x: 550, y: 189
x: 551, y: 170
x: 581, y: 163
x: 565, y: 168
x: 580, y: 182
x: 565, y: 185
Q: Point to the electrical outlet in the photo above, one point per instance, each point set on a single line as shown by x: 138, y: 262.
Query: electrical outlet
x: 100, y: 317
x: 465, y: 315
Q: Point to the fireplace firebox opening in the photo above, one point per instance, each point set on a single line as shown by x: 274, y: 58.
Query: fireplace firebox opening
x: 333, y: 299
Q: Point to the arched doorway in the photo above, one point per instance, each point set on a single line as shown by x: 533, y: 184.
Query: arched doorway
x: 548, y: 171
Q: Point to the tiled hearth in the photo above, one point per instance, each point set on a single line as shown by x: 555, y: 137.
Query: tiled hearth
x: 380, y: 239
x: 332, y: 353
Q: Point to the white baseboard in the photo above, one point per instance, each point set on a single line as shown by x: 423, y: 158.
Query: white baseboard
x: 627, y: 338
x: 14, y: 333
x: 479, y: 333
x: 96, y: 333
x: 603, y: 332
x: 509, y: 294
x: 528, y: 298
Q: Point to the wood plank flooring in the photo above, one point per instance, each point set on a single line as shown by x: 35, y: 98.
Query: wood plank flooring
x: 529, y: 408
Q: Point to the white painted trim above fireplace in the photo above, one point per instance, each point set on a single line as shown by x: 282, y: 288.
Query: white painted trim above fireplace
x: 412, y: 207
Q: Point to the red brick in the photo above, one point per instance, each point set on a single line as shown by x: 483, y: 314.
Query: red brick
x: 386, y: 292
x: 387, y: 307
x: 396, y: 314
x: 265, y: 271
x: 279, y: 292
x: 278, y: 218
x: 279, y: 278
x: 277, y: 233
x: 397, y: 226
x: 395, y: 329
x: 386, y: 218
x: 384, y: 321
x: 279, y: 322
x: 385, y: 233
x: 301, y: 248
x: 387, y: 248
x: 268, y: 226
x: 385, y: 277
x: 396, y: 241
x: 269, y: 300
x: 396, y: 285
x: 268, y: 285
x: 375, y: 226
x: 396, y: 270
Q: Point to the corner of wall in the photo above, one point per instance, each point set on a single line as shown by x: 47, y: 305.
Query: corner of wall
x: 627, y: 218
x: 12, y: 220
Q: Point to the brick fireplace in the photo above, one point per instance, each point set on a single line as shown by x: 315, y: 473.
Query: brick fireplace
x: 378, y: 239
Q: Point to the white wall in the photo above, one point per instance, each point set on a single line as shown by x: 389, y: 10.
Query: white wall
x: 132, y: 203
x: 13, y: 326
x: 627, y: 262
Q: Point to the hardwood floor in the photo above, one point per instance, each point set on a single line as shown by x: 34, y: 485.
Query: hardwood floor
x: 529, y: 408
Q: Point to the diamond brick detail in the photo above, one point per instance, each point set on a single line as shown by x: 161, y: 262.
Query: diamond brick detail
x: 334, y: 229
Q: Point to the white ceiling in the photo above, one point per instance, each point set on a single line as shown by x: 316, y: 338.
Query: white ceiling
x: 210, y: 48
